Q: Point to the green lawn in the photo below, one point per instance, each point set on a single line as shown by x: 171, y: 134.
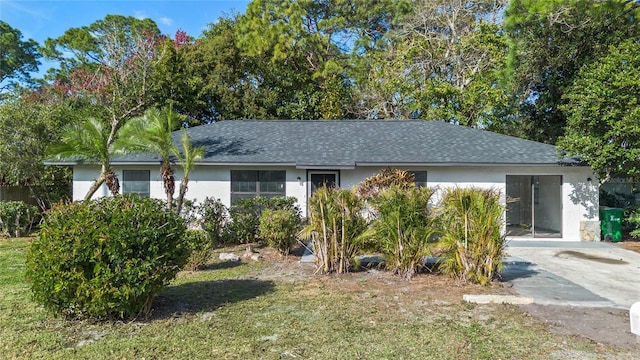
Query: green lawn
x: 229, y: 312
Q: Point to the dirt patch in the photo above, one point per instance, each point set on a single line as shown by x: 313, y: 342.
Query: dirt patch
x: 633, y: 245
x: 606, y: 327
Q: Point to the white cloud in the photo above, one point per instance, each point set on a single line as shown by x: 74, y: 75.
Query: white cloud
x: 140, y: 15
x: 166, y: 21
x: 19, y: 7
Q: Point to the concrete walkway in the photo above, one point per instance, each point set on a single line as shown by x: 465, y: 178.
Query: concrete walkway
x: 592, y: 274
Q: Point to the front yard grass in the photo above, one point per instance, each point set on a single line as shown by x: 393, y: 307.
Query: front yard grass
x: 230, y: 311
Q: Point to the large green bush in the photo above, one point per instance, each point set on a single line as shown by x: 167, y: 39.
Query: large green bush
x: 106, y: 258
x: 16, y: 218
x: 279, y: 228
x: 245, y: 216
x: 472, y: 240
x: 403, y: 227
x: 335, y: 223
x: 213, y: 218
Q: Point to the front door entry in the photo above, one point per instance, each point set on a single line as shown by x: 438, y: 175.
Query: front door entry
x: 320, y: 179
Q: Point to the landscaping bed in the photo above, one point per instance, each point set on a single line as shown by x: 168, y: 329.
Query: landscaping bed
x: 277, y: 308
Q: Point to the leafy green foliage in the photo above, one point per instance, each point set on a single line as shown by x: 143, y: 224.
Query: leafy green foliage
x: 213, y: 217
x: 16, y: 218
x: 279, y: 228
x: 200, y: 249
x: 245, y: 214
x: 472, y: 220
x: 603, y: 108
x: 335, y: 223
x: 28, y: 124
x: 88, y: 139
x: 437, y: 60
x: 403, y: 228
x: 106, y: 258
x: 187, y: 159
x: 550, y: 42
x: 151, y: 133
x: 18, y: 57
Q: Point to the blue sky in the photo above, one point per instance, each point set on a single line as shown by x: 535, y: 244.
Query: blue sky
x: 39, y: 20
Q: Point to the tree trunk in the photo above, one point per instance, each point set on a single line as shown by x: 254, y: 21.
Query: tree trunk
x: 95, y: 186
x: 169, y: 183
x: 183, y: 191
x: 112, y: 182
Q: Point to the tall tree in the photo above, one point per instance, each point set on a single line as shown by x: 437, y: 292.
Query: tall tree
x: 151, y: 133
x: 28, y: 123
x: 109, y: 65
x: 304, y: 43
x: 187, y: 159
x: 18, y: 57
x: 603, y: 113
x: 551, y: 41
x: 440, y: 60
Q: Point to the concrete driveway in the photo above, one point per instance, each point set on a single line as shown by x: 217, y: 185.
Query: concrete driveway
x: 589, y: 274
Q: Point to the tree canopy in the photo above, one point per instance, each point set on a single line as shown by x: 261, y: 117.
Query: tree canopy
x: 521, y: 67
x: 603, y: 103
x: 18, y: 57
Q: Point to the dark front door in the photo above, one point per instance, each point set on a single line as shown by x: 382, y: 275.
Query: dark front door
x: 319, y: 180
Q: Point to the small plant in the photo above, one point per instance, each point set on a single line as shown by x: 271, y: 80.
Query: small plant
x: 334, y: 225
x: 279, y: 228
x: 201, y: 249
x: 403, y: 228
x: 472, y: 240
x: 16, y: 218
x: 106, y: 258
x: 213, y: 217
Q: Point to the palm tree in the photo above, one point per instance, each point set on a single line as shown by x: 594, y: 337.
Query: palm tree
x: 88, y: 140
x: 151, y: 133
x: 187, y: 160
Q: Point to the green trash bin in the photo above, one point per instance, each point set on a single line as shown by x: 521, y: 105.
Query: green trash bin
x: 611, y: 224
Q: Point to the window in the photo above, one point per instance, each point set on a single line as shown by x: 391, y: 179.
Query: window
x: 135, y: 182
x: 252, y: 183
x: 419, y: 178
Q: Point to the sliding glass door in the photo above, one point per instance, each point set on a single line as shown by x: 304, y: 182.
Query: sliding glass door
x: 534, y: 205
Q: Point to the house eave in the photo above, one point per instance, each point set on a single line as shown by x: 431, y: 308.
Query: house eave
x: 451, y: 164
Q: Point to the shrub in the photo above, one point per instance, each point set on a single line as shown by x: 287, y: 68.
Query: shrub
x: 403, y: 228
x: 213, y: 217
x: 279, y: 228
x: 16, y: 218
x: 201, y: 248
x: 472, y: 239
x: 106, y: 258
x: 334, y: 225
x: 245, y: 216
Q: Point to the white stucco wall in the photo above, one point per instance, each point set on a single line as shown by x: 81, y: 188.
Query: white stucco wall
x: 579, y: 196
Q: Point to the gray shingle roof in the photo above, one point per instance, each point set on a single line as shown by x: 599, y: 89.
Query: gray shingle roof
x: 349, y: 143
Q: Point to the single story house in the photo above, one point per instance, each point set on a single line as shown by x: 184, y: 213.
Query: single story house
x: 545, y: 196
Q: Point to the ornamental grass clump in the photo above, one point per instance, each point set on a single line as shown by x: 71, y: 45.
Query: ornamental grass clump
x: 334, y: 225
x: 105, y: 259
x: 472, y: 241
x: 403, y: 228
